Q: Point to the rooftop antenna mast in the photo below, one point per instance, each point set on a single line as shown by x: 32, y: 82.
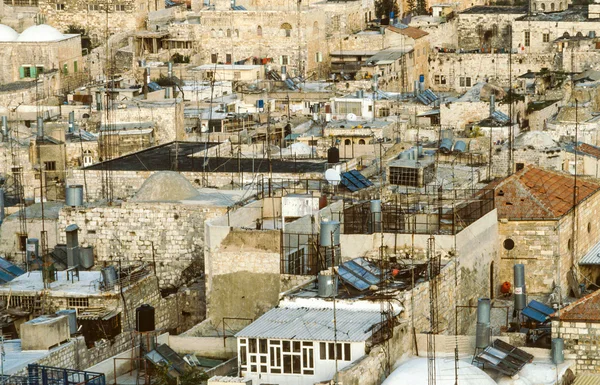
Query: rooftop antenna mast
x: 433, y: 270
x: 18, y: 190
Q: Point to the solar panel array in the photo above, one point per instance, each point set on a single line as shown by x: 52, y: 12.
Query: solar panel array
x: 427, y: 97
x: 537, y: 311
x: 359, y: 273
x: 354, y: 181
x: 8, y: 271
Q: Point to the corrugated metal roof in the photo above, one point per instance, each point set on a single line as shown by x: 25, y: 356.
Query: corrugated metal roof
x: 427, y: 97
x: 312, y: 325
x: 592, y: 257
x: 500, y: 116
x: 587, y: 379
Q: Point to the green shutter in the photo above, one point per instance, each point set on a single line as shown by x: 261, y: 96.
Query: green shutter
x: 21, y: 72
x: 33, y: 72
x: 65, y: 69
x: 75, y: 66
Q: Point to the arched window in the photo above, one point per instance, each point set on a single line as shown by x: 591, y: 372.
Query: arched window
x: 228, y: 32
x: 362, y: 141
x: 213, y: 33
x: 316, y: 27
x: 220, y: 33
x: 543, y: 6
x: 287, y: 29
x: 237, y: 33
x: 552, y: 7
x: 534, y: 7
x: 347, y: 142
x: 259, y: 30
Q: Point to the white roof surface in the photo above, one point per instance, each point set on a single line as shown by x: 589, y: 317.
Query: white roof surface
x: 414, y: 372
x: 7, y: 33
x: 88, y: 284
x: 16, y: 359
x: 42, y: 32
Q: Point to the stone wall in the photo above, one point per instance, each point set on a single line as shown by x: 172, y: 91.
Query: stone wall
x: 243, y: 275
x: 481, y: 67
x: 126, y: 183
x: 489, y: 30
x: 548, y: 248
x: 580, y: 343
x: 549, y: 158
x: 169, y: 233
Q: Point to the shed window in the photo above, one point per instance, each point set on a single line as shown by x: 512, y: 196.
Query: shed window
x: 287, y: 29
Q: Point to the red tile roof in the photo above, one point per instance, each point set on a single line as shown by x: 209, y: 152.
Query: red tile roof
x: 584, y: 309
x: 539, y: 193
x: 412, y: 32
x: 590, y: 150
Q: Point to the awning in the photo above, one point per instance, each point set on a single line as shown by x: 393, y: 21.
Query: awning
x: 99, y: 313
x: 592, y: 257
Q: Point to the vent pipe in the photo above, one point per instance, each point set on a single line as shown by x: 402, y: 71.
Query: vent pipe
x: 375, y: 222
x: 71, y: 121
x: 492, y: 104
x: 5, y: 129
x: 482, y: 336
x: 417, y: 88
x: 330, y: 233
x: 40, y: 127
x: 520, y: 293
x: 170, y: 76
x: 557, y: 351
x: 1, y: 205
x: 72, y: 246
x: 98, y: 101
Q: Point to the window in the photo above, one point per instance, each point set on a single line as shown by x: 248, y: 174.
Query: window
x: 284, y: 60
x: 462, y: 81
x: 93, y: 7
x: 546, y: 37
x: 213, y: 58
x: 442, y: 79
x: 60, y: 7
x: 287, y: 29
x: 75, y: 66
x: 361, y: 141
x: 228, y: 58
x: 22, y: 239
x: 436, y: 79
x: 543, y: 6
x: 39, y: 69
x: 508, y: 244
x: 468, y: 81
x: 347, y: 142
x: 552, y: 7
x: 296, y: 262
x: 318, y: 57
x: 213, y: 33
x: 220, y: 34
x: 228, y: 32
x: 527, y: 38
x: 329, y: 351
x: 259, y: 30
x: 78, y: 302
x: 276, y: 356
x: 50, y: 166
x: 120, y: 7
x: 370, y: 108
x: 237, y: 33
x: 65, y: 69
x: 25, y: 72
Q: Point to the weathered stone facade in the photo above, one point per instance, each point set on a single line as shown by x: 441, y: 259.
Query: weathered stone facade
x: 100, y: 19
x: 170, y: 234
x: 580, y: 343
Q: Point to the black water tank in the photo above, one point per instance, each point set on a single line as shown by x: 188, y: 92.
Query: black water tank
x: 333, y: 155
x: 144, y: 318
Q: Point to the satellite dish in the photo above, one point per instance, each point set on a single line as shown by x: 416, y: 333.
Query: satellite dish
x: 351, y: 117
x: 333, y: 176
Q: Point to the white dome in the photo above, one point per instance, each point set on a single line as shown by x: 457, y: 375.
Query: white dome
x: 414, y: 372
x: 7, y: 33
x: 41, y: 32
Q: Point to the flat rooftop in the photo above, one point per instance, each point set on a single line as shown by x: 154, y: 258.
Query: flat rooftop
x: 15, y: 359
x: 170, y: 157
x: 87, y: 285
x: 485, y: 9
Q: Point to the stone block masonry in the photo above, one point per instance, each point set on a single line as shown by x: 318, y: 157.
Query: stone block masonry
x: 168, y: 234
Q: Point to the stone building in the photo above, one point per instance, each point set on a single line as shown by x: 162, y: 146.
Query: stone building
x: 541, y: 227
x: 38, y: 50
x: 487, y: 29
x: 529, y: 148
x: 578, y: 324
x: 99, y: 19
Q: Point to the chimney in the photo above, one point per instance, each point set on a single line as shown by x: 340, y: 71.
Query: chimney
x: 40, y: 128
x: 492, y: 104
x: 170, y: 76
